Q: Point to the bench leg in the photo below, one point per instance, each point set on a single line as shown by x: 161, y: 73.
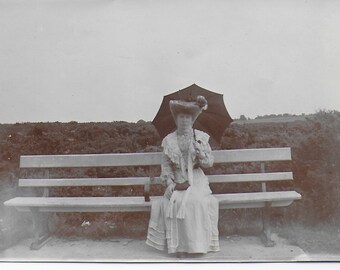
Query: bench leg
x: 41, y: 231
x: 266, y: 236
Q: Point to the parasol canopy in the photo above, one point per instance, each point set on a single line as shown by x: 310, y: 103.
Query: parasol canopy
x: 213, y: 121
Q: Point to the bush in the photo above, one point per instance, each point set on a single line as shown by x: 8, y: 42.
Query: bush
x: 315, y: 150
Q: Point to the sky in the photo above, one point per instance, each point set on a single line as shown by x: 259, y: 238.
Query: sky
x: 114, y: 60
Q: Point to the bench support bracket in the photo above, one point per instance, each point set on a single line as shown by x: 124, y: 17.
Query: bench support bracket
x: 147, y: 189
x: 41, y: 231
x: 266, y: 236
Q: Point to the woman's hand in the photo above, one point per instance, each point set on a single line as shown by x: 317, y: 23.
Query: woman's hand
x: 169, y: 190
x: 199, y: 151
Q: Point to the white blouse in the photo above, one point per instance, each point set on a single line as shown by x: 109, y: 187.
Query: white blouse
x: 179, y: 156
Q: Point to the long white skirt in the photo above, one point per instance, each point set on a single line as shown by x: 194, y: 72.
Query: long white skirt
x: 188, y: 222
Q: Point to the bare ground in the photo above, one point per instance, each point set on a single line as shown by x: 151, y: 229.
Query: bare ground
x: 295, y: 243
x: 233, y: 249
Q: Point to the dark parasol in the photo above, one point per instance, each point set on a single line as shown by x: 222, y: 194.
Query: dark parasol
x: 213, y: 121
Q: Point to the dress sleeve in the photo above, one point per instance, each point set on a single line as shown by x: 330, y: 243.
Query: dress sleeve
x: 167, y: 168
x: 208, y: 159
x: 167, y: 172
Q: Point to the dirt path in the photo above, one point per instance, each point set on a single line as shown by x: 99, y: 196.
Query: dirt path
x: 233, y: 249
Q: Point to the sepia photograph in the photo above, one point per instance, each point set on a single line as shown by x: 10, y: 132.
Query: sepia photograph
x: 154, y: 131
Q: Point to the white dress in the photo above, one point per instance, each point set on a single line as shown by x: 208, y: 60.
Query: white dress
x: 188, y: 222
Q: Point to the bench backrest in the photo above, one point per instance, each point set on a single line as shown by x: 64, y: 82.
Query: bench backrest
x: 150, y: 159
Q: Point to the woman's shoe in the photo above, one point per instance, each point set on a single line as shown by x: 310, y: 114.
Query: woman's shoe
x: 195, y: 255
x: 181, y: 254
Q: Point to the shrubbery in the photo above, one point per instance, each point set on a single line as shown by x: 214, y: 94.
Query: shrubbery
x: 315, y: 152
x: 315, y: 149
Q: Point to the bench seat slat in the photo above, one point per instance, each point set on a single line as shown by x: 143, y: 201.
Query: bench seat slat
x: 117, y: 204
x: 148, y: 159
x: 126, y: 181
x: 257, y: 199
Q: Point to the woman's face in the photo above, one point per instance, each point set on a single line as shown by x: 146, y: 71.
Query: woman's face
x: 184, y: 121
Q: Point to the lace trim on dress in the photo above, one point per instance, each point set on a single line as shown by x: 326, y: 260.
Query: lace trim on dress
x: 172, y: 150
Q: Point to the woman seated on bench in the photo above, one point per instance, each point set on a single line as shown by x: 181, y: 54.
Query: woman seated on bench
x: 185, y: 220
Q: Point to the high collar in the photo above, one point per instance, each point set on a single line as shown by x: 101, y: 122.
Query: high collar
x: 187, y: 132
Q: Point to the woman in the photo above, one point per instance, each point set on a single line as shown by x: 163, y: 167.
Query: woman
x: 185, y: 219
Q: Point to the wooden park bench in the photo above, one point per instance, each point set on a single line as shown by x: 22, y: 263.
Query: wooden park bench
x: 40, y: 205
